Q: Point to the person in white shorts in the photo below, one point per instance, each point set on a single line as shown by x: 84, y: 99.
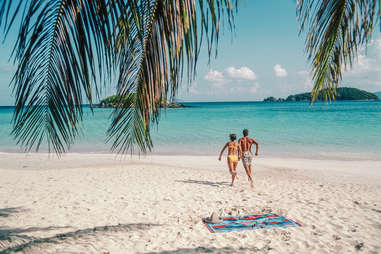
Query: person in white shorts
x: 245, y: 143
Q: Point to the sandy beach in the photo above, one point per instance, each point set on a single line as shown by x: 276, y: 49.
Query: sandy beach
x: 102, y: 203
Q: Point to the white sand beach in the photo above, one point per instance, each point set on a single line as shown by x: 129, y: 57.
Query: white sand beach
x: 100, y: 203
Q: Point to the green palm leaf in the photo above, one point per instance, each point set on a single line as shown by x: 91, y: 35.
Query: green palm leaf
x: 335, y: 32
x: 61, y: 43
x: 59, y: 46
x: 153, y: 43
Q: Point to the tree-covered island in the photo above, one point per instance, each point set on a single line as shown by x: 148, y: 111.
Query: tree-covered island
x: 342, y: 94
x: 115, y: 101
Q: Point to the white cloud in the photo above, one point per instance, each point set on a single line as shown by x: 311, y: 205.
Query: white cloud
x: 254, y: 88
x: 216, y: 77
x: 6, y: 68
x: 306, y: 79
x: 219, y: 79
x: 367, y: 62
x: 377, y: 47
x: 378, y: 44
x: 365, y: 72
x: 279, y: 71
x: 193, y: 88
x: 243, y: 73
x: 363, y: 65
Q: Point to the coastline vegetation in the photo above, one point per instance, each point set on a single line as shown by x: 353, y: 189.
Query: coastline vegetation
x: 118, y: 101
x: 341, y: 94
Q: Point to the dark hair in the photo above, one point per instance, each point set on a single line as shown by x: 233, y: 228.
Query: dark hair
x: 233, y: 137
x: 245, y: 132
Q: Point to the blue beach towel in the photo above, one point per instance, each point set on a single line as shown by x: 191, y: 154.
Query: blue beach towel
x: 238, y: 223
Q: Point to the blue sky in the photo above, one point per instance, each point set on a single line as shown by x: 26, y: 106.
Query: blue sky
x: 263, y: 57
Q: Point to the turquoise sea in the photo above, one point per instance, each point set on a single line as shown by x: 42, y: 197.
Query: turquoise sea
x: 345, y: 130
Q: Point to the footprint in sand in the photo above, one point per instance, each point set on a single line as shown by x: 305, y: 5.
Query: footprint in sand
x: 286, y: 236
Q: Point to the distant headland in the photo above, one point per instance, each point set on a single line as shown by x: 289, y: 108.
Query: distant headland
x: 115, y: 101
x: 342, y: 94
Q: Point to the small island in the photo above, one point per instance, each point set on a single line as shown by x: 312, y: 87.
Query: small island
x: 273, y: 99
x: 342, y: 94
x: 115, y: 101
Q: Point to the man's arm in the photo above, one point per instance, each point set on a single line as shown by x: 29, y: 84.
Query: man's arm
x: 240, y: 143
x: 256, y: 146
x: 222, y: 151
x: 239, y: 152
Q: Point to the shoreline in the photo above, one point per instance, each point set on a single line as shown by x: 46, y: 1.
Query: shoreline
x: 363, y: 170
x: 323, y: 156
x: 340, y: 157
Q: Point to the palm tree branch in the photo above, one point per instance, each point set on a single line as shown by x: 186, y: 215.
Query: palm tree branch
x: 335, y: 32
x: 151, y: 66
x: 59, y: 47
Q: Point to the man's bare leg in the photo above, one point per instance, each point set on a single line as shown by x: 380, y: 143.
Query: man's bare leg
x: 251, y: 178
x: 248, y: 172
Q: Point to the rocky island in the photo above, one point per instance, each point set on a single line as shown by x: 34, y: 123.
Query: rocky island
x: 342, y: 94
x: 115, y: 101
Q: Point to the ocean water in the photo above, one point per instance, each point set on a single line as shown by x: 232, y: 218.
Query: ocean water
x: 345, y: 130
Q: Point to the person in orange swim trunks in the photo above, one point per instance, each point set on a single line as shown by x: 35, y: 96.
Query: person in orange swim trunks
x: 234, y: 154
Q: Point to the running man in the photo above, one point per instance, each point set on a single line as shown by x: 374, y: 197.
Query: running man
x: 245, y: 143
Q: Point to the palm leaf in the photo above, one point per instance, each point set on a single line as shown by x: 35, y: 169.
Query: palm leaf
x: 155, y: 40
x: 335, y: 32
x: 61, y: 43
x: 59, y: 46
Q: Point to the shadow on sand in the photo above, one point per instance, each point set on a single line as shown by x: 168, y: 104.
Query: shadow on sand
x: 214, y: 184
x: 229, y: 250
x: 5, y: 212
x: 13, y: 239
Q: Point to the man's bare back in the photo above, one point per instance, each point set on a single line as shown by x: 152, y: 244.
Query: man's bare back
x: 245, y: 143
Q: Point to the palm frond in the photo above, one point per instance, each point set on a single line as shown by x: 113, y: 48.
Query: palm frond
x: 335, y: 32
x: 155, y: 40
x: 60, y: 45
x: 125, y: 137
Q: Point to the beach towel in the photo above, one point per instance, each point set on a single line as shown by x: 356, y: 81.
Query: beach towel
x: 248, y: 222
